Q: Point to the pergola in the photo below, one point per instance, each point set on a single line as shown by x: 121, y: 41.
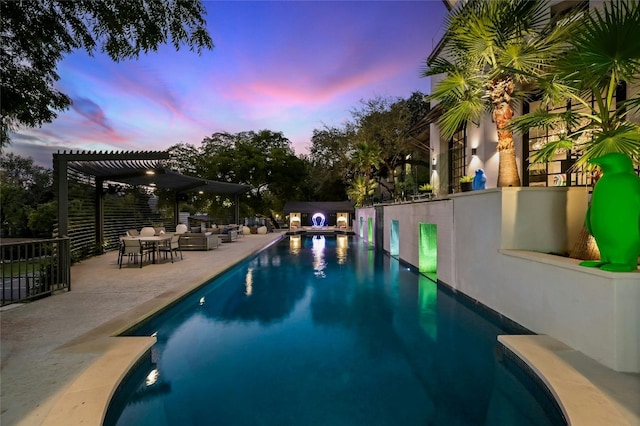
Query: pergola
x: 136, y: 168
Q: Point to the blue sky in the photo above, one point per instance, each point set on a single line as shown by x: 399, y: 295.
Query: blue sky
x: 289, y: 66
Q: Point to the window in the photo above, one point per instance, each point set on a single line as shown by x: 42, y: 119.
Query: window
x: 558, y: 171
x: 457, y: 159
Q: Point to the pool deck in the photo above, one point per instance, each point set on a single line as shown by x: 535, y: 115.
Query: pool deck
x: 60, y: 361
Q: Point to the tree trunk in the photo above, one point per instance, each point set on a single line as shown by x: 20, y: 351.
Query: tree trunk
x: 585, y: 247
x: 500, y: 92
x: 508, y: 168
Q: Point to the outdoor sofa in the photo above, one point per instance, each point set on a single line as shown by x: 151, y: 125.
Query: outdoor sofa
x: 199, y: 241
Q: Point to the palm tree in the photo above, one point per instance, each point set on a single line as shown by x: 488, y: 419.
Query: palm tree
x: 359, y: 190
x: 602, y: 56
x: 367, y: 157
x: 491, y: 49
x: 600, y: 59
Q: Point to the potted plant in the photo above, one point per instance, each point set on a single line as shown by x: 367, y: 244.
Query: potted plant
x: 427, y: 188
x: 466, y: 183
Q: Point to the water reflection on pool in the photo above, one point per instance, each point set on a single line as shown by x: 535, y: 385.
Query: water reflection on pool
x: 325, y: 331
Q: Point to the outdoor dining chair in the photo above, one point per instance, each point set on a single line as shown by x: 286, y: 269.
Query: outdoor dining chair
x: 147, y: 231
x: 132, y: 248
x: 173, y: 245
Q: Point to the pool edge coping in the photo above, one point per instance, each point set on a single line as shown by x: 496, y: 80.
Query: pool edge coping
x: 581, y: 402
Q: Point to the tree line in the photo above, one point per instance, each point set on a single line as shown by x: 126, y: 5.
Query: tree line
x: 372, y: 144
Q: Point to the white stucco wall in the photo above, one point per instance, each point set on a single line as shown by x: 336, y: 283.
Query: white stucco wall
x: 593, y: 311
x: 409, y: 217
x: 492, y: 246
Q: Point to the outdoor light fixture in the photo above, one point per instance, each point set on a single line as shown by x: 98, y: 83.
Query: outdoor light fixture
x: 318, y: 220
x: 434, y: 161
x: 474, y: 152
x: 150, y: 172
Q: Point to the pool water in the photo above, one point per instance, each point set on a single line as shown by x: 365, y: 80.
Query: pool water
x: 326, y: 331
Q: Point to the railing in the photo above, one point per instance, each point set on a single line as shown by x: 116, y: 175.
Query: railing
x: 33, y: 269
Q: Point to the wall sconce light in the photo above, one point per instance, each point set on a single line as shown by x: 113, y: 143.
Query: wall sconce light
x: 434, y: 161
x: 474, y: 152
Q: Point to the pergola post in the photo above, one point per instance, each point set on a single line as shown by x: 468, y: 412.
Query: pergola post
x: 237, y: 208
x: 176, y: 209
x: 62, y: 190
x: 99, y: 223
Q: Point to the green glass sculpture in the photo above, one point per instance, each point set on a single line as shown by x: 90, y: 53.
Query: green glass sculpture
x: 613, y: 218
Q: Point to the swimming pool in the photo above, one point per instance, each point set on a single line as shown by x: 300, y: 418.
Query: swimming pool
x: 326, y: 331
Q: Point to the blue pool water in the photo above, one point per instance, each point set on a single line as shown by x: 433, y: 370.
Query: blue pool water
x: 326, y: 331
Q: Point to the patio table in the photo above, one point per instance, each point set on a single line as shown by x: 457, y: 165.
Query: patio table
x: 154, y: 241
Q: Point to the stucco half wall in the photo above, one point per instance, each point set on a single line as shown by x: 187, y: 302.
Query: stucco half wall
x: 495, y: 246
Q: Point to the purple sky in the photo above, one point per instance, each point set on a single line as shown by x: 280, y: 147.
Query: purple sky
x: 284, y: 66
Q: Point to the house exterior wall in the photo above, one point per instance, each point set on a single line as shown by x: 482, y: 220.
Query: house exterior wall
x: 493, y: 246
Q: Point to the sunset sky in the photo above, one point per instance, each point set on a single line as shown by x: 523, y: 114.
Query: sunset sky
x: 289, y: 67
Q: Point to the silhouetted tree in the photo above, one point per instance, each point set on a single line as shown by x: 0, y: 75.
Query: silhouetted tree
x: 35, y: 36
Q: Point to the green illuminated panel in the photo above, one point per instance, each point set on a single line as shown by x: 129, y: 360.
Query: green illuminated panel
x: 370, y: 230
x: 428, y: 248
x: 394, y: 240
x: 361, y: 227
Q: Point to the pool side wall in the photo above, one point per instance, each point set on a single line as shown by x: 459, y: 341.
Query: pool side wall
x: 494, y: 246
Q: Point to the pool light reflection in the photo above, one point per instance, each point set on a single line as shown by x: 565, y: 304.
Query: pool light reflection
x: 318, y: 256
x: 295, y: 244
x: 152, y: 377
x: 248, y: 282
x: 342, y: 244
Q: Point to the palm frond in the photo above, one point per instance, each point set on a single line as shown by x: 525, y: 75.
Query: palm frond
x: 550, y: 149
x: 455, y: 87
x: 452, y: 119
x: 437, y: 66
x: 531, y: 55
x: 606, y: 45
x: 624, y: 139
x: 555, y: 121
x: 631, y: 105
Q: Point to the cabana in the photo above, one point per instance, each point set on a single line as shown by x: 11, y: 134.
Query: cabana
x: 319, y: 213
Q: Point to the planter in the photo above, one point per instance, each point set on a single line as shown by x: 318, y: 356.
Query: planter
x: 466, y: 186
